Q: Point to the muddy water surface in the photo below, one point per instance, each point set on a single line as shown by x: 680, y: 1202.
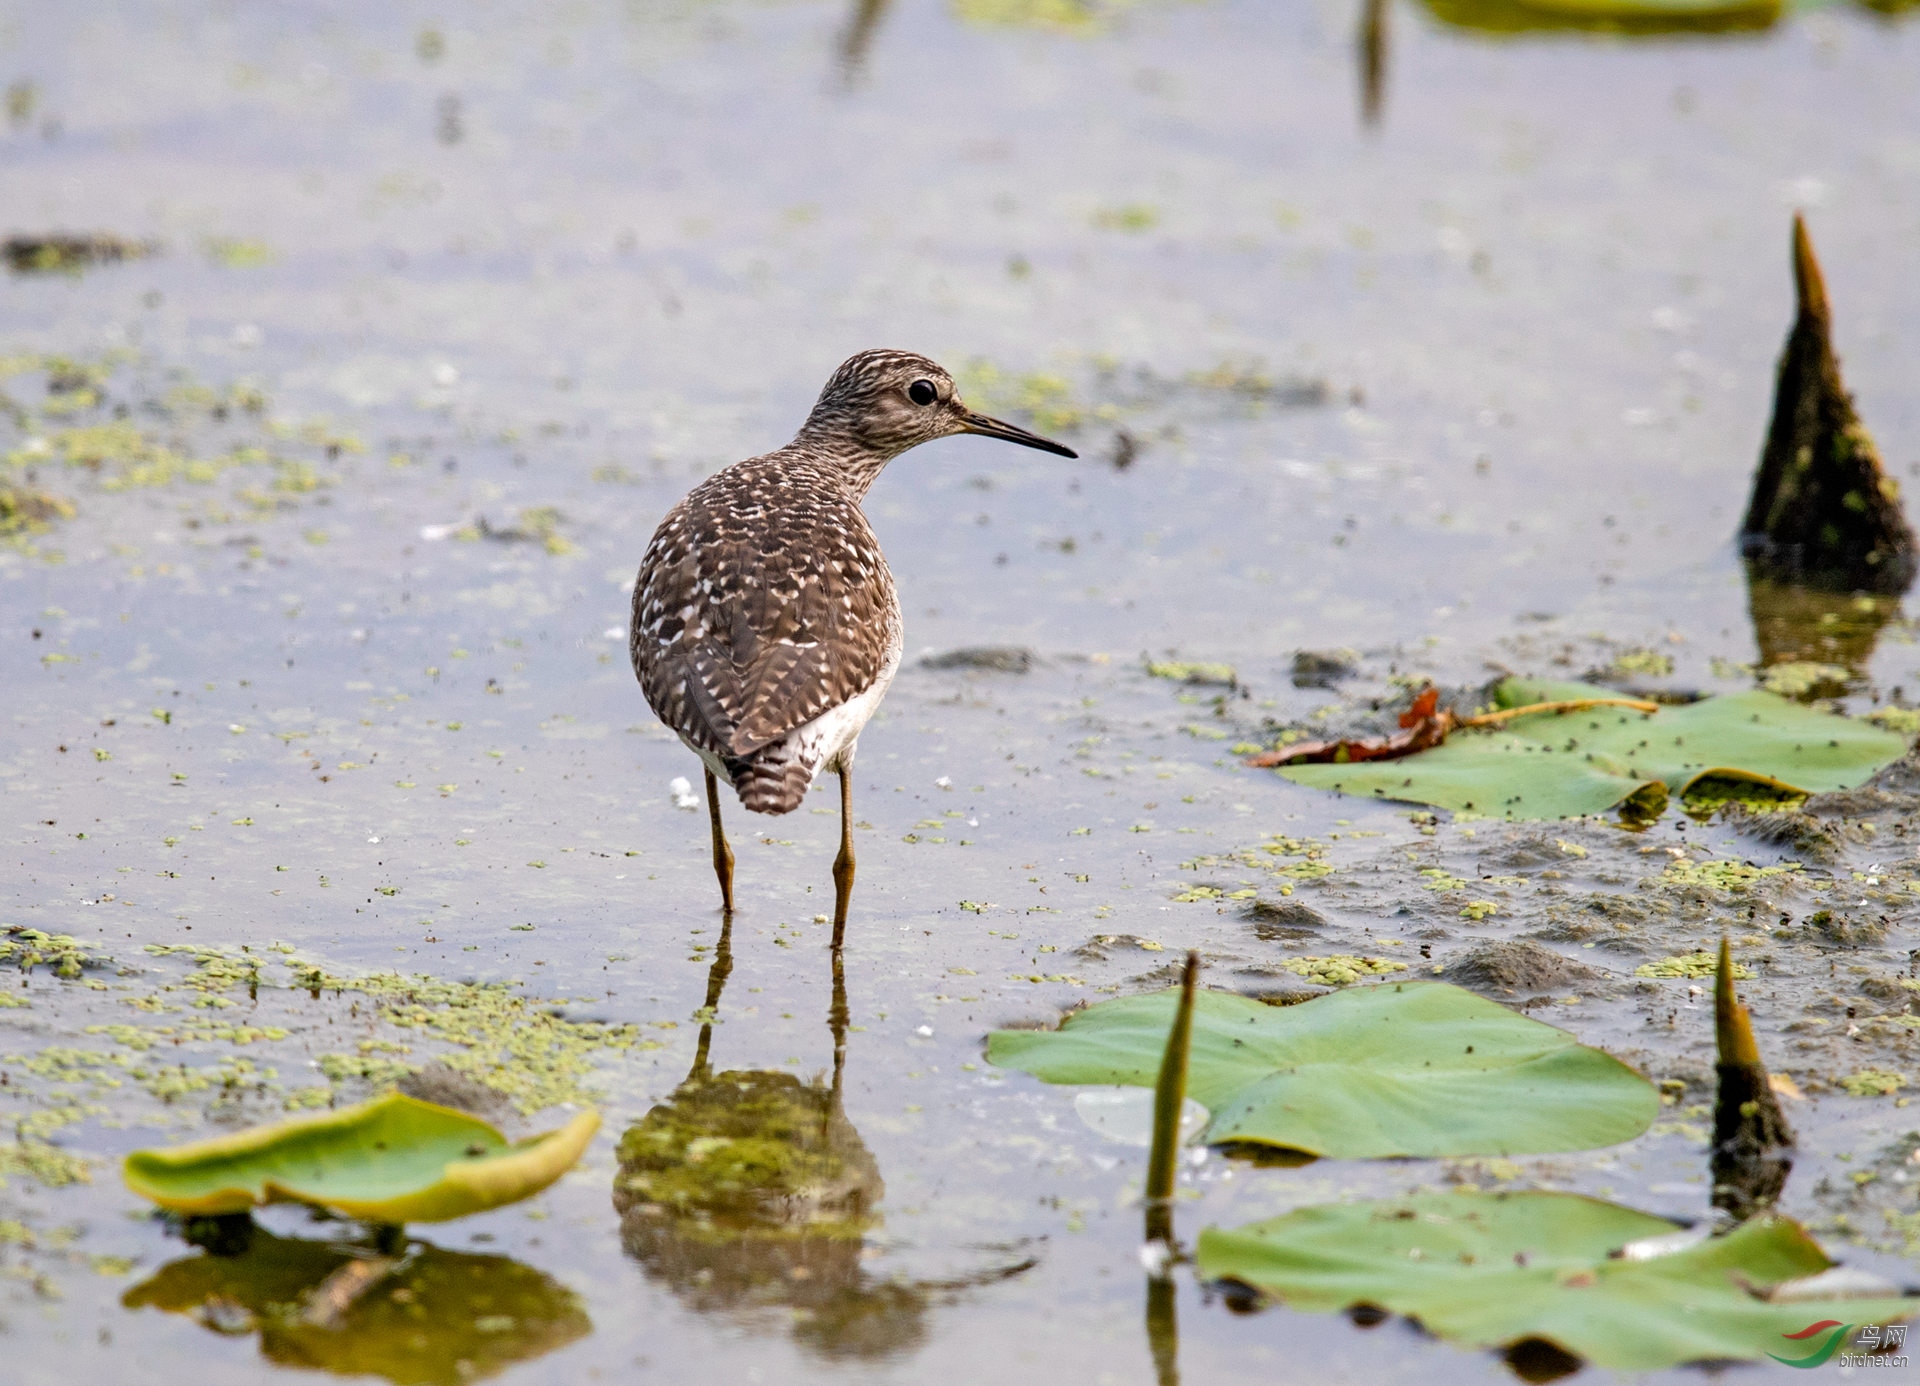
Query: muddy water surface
x: 328, y: 670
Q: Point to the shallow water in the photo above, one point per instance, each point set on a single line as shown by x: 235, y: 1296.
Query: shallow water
x: 1478, y: 385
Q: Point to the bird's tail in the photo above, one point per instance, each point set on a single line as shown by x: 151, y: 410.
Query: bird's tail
x: 771, y: 785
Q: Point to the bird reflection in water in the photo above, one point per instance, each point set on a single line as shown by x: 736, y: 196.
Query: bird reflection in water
x: 750, y: 1194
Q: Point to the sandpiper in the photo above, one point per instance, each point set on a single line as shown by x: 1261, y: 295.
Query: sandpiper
x: 766, y: 628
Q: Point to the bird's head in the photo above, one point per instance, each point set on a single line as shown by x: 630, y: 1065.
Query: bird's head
x: 880, y: 403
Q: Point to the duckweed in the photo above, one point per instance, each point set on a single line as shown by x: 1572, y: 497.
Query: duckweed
x: 1719, y: 874
x: 1690, y: 965
x: 1649, y: 663
x: 1044, y: 400
x: 1805, y: 678
x: 1181, y: 671
x: 1904, y: 720
x: 29, y: 948
x: 1873, y: 1082
x: 44, y: 1164
x: 1341, y: 968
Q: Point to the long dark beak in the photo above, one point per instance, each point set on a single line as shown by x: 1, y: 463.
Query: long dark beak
x: 988, y: 427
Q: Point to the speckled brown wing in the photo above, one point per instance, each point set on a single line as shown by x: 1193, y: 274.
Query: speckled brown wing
x: 762, y: 602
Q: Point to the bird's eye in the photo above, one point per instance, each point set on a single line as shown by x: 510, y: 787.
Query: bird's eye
x: 922, y: 392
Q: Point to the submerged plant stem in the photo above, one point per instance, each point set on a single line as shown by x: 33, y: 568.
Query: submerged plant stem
x: 1163, y: 1329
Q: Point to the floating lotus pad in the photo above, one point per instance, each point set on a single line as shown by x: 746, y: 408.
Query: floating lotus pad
x: 1569, y: 764
x: 395, y: 1159
x: 1492, y: 1270
x: 1393, y: 1069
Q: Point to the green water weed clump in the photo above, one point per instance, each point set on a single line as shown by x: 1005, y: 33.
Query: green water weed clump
x: 1341, y: 969
x: 27, y: 949
x: 1691, y: 966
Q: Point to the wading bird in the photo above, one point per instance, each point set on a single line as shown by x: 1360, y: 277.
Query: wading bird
x: 766, y: 627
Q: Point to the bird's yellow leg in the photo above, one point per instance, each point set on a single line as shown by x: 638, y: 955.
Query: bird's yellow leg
x: 843, y: 864
x: 722, y: 854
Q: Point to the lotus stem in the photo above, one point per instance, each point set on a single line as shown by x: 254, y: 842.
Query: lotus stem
x: 1823, y: 511
x: 1809, y: 284
x: 1169, y: 1095
x: 1752, y: 1143
x: 1732, y: 1026
x: 1507, y: 714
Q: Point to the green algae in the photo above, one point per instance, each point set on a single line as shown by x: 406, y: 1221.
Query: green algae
x: 522, y: 1047
x: 1045, y: 401
x: 1802, y: 678
x: 511, y: 1043
x: 1720, y: 874
x: 1873, y: 1082
x: 103, y: 419
x: 1341, y: 969
x: 1204, y: 674
x: 1194, y: 894
x: 1691, y: 966
x: 61, y: 1063
x: 238, y: 254
x: 214, y: 969
x: 125, y: 456
x: 169, y: 1083
x: 45, y: 1164
x: 373, y: 1070
x: 1309, y: 860
x: 1904, y: 720
x: 1059, y: 16
x: 538, y: 524
x: 1646, y: 663
x: 1131, y: 216
x: 502, y: 1038
x: 27, y: 949
x: 141, y: 1038
x: 24, y: 511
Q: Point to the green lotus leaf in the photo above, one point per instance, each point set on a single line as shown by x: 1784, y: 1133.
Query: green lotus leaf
x: 395, y: 1159
x: 1492, y: 1270
x: 1405, y: 1068
x: 1569, y: 764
